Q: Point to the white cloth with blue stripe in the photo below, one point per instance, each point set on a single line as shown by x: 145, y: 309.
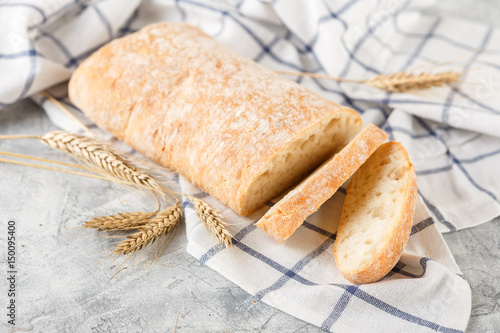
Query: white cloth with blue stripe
x: 452, y: 135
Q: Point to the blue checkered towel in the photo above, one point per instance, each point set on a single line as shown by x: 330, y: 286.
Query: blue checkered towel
x: 452, y: 135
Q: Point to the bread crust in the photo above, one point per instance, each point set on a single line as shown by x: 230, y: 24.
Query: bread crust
x: 197, y: 107
x: 396, y: 243
x: 281, y: 221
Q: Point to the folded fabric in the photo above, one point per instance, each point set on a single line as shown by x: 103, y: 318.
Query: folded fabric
x: 451, y: 133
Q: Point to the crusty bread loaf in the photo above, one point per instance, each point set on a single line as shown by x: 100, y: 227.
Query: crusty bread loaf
x: 239, y: 131
x: 377, y: 216
x: 281, y: 221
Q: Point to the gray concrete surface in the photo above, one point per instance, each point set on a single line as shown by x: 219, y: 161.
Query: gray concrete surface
x: 65, y: 284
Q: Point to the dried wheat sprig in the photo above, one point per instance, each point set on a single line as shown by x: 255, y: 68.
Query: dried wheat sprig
x: 69, y: 113
x: 163, y: 189
x: 39, y: 159
x: 100, y: 157
x: 5, y: 160
x: 213, y: 221
x: 14, y: 137
x: 162, y: 224
x: 396, y: 82
x: 403, y: 82
x: 120, y: 221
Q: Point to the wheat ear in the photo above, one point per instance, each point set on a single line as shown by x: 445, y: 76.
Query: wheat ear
x: 403, y: 82
x: 213, y: 221
x: 157, y: 227
x: 100, y: 157
x: 396, y: 82
x: 120, y: 221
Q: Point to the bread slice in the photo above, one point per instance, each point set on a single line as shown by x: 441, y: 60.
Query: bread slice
x: 281, y: 221
x: 377, y: 215
x: 239, y: 131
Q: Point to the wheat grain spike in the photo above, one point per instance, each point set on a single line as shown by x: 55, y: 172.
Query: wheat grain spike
x: 213, y: 221
x: 404, y: 82
x: 100, y: 157
x: 157, y: 227
x: 120, y: 221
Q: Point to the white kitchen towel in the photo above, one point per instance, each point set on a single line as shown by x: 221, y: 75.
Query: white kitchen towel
x: 452, y: 135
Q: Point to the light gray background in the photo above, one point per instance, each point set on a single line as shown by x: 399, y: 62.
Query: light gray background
x: 64, y: 283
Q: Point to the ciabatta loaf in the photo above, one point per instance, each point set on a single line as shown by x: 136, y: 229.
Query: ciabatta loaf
x: 237, y: 130
x: 281, y: 221
x: 377, y: 215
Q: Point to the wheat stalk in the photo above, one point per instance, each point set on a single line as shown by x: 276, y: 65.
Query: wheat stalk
x: 404, y: 82
x: 34, y: 158
x: 396, y: 82
x: 120, y: 221
x: 157, y: 227
x: 4, y: 160
x: 163, y: 189
x: 100, y: 157
x: 213, y: 221
x: 68, y: 112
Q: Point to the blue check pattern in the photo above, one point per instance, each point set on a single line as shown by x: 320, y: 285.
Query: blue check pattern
x: 451, y: 133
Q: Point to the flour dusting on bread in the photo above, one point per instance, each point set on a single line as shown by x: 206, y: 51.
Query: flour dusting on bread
x: 239, y: 131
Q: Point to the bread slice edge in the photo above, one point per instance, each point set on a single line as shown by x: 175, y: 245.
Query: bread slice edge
x: 286, y: 216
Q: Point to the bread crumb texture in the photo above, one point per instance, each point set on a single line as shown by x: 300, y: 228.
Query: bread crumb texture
x: 281, y: 221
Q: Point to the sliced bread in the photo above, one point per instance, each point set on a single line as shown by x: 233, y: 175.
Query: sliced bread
x: 377, y: 215
x: 281, y: 221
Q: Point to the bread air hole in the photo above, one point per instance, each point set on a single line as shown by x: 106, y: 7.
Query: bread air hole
x: 308, y: 143
x: 396, y: 173
x: 385, y: 161
x: 332, y: 123
x: 378, y: 212
x: 368, y: 241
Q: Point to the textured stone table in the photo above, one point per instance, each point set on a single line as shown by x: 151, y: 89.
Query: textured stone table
x: 63, y: 283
